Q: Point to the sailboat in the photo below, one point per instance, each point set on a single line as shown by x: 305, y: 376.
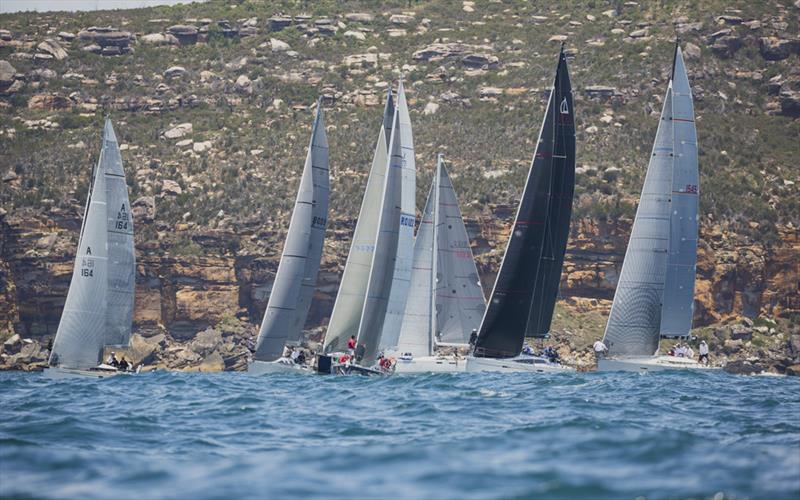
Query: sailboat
x: 655, y: 294
x: 445, y: 302
x: 371, y: 298
x: 296, y: 278
x: 98, y: 311
x: 525, y: 291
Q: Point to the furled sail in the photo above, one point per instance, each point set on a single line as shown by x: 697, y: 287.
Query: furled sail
x: 526, y: 287
x: 460, y: 304
x: 81, y: 332
x: 121, y: 256
x: 297, y: 271
x: 445, y: 300
x: 349, y: 304
x: 678, y: 302
x: 404, y: 257
x: 394, y: 243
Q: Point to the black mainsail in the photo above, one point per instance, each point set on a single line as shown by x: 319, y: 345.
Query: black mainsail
x: 526, y: 287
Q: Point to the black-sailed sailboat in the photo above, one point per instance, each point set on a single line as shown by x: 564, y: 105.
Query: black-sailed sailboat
x: 525, y: 291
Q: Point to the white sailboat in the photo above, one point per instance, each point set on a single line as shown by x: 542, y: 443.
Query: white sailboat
x: 445, y: 302
x: 655, y: 294
x: 98, y: 311
x: 375, y: 283
x: 525, y: 291
x: 296, y: 277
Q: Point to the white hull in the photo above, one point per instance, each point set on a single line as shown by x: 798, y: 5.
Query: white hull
x: 649, y: 364
x: 431, y: 364
x: 65, y: 373
x: 263, y: 367
x: 517, y: 364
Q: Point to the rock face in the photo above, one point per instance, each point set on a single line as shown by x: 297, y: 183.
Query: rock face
x: 185, y: 34
x: 776, y: 49
x: 159, y: 39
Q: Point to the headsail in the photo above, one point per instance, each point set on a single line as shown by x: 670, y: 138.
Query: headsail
x: 121, y: 256
x: 460, y: 304
x: 527, y: 284
x: 678, y: 303
x: 349, y: 305
x: 81, y: 332
x: 403, y: 261
x: 297, y: 272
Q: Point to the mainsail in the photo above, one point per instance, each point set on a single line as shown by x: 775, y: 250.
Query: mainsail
x: 526, y: 287
x: 445, y: 301
x: 297, y: 271
x: 656, y: 285
x: 349, y: 305
x: 394, y: 243
x: 81, y: 332
x: 121, y: 257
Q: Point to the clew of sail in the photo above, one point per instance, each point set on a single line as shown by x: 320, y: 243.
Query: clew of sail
x: 297, y: 271
x: 526, y: 287
x: 349, y: 304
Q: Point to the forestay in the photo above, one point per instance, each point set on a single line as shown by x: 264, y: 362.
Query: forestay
x: 296, y: 277
x: 121, y: 256
x: 526, y: 287
x: 349, y: 304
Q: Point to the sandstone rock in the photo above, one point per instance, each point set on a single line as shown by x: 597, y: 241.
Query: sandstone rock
x: 359, y: 17
x: 144, y: 208
x: 5, y: 35
x: 211, y: 363
x: 430, y: 109
x: 52, y: 48
x: 93, y: 49
x: 277, y: 23
x: 201, y: 147
x: 170, y: 187
x: 743, y: 367
x: 401, y: 19
x: 691, y: 51
x: 558, y: 38
x: 477, y: 60
x: 47, y: 242
x: 186, y: 34
x: 42, y: 74
x: 178, y: 131
x: 361, y: 60
x: 175, y: 72
x: 793, y: 370
x: 111, y: 38
x: 206, y: 341
x: 489, y: 92
x: 726, y: 46
x: 355, y: 34
x: 741, y: 332
x: 49, y: 102
x: 732, y: 346
x: 776, y: 49
x: 641, y: 33
x: 439, y: 51
x: 244, y: 85
x: 141, y: 350
x: 790, y: 103
x: 7, y: 72
x: 278, y: 45
x: 159, y: 39
x: 12, y: 345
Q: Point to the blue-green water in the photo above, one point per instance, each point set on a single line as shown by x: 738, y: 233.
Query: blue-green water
x: 174, y: 435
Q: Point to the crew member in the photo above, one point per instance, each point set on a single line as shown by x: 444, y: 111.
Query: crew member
x: 703, y: 352
x: 351, y: 345
x: 599, y: 350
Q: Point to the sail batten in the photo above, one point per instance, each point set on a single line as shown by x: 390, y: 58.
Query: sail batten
x: 526, y: 287
x: 296, y: 277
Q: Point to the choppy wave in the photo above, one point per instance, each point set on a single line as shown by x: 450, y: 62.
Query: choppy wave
x: 175, y: 435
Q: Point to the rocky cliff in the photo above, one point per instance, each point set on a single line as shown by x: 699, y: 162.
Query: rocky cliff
x: 212, y: 106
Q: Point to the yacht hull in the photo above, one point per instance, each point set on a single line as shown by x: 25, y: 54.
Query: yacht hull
x: 650, y: 364
x: 431, y: 364
x: 264, y: 367
x: 516, y: 364
x: 54, y: 373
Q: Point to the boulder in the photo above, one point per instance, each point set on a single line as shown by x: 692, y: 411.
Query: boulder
x: 49, y: 102
x: 691, y: 51
x: 793, y: 370
x: 401, y: 19
x: 175, y: 72
x: 211, y: 363
x: 439, y: 51
x: 732, y: 346
x: 359, y: 17
x: 7, y: 72
x: 430, y: 109
x: 170, y: 187
x: 478, y: 60
x: 277, y: 23
x: 178, y: 131
x: 360, y: 60
x: 278, y: 45
x: 12, y: 345
x: 741, y: 332
x: 93, y: 49
x: 52, y: 48
x: 743, y: 367
x: 144, y: 208
x: 244, y: 85
x: 186, y: 34
x: 202, y: 146
x: 5, y: 35
x: 790, y: 103
x: 117, y: 39
x: 66, y: 36
x: 206, y: 341
x: 159, y: 39
x: 726, y: 46
x: 141, y: 350
x: 776, y: 49
x: 358, y: 35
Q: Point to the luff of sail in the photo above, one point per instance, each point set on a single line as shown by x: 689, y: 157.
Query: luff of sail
x: 635, y: 318
x: 81, y: 331
x: 678, y: 302
x: 296, y: 277
x: 349, y: 304
x: 527, y: 282
x: 460, y: 304
x: 121, y: 255
x: 404, y: 256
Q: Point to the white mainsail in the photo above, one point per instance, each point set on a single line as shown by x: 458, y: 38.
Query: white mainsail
x: 445, y: 301
x: 81, y: 331
x: 296, y: 277
x: 394, y: 244
x: 349, y: 305
x: 678, y: 302
x: 401, y: 276
x: 121, y: 256
x: 655, y: 292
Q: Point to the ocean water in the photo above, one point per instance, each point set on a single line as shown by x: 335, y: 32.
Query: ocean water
x: 230, y: 435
